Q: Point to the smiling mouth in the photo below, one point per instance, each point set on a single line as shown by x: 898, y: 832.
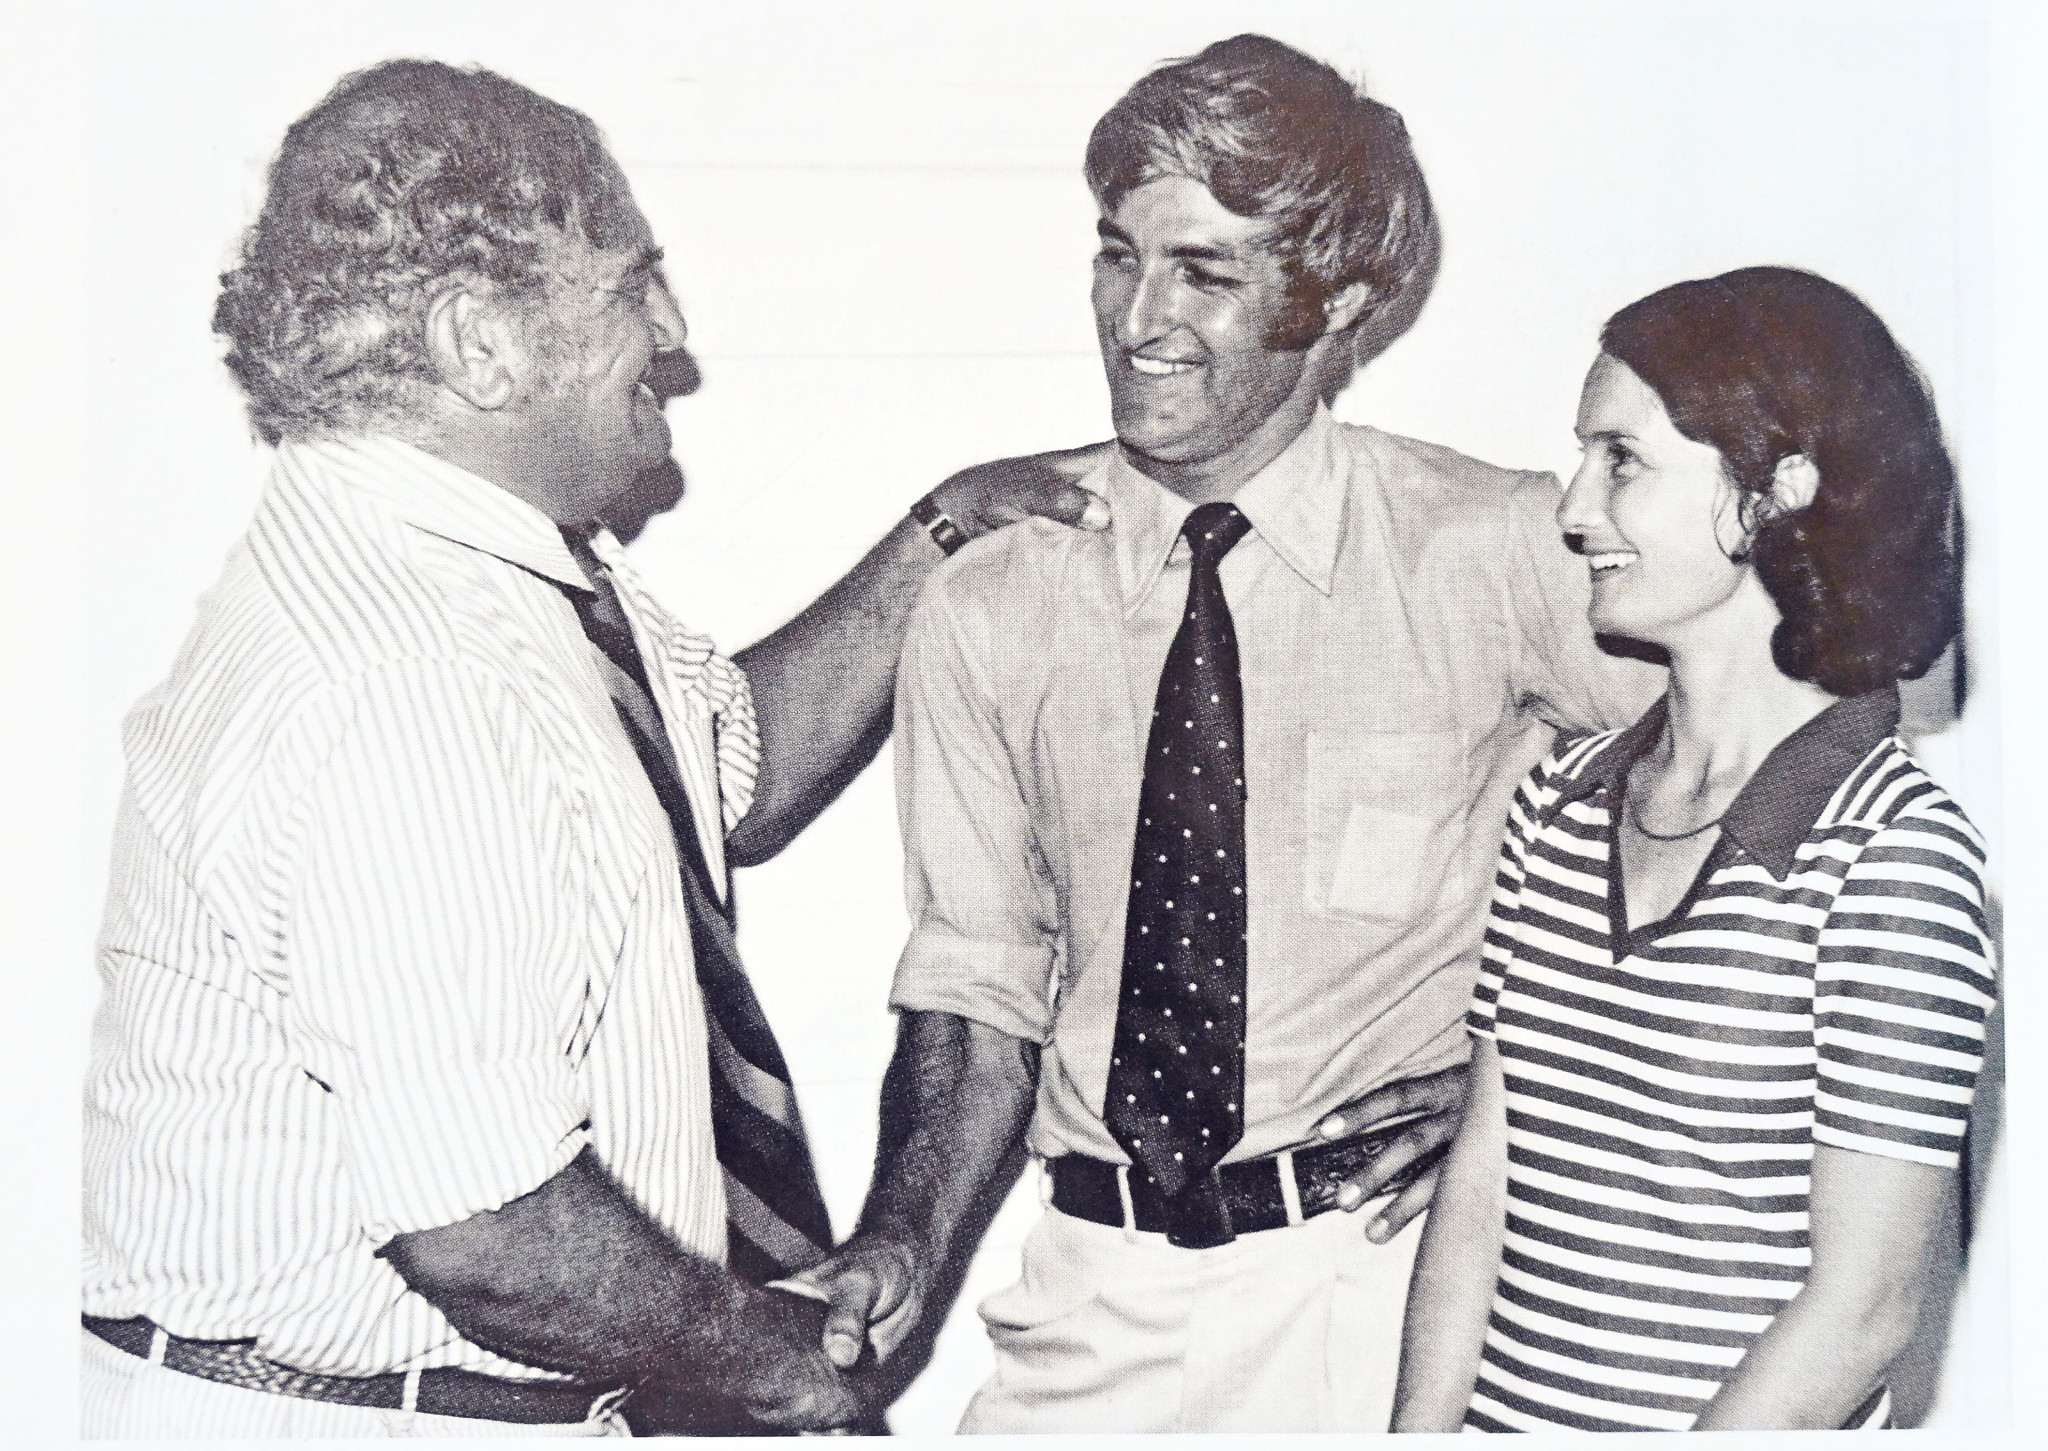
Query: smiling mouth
x: 1160, y: 367
x: 1610, y: 562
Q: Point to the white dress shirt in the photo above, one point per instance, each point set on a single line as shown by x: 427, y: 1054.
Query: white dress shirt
x: 395, y: 928
x: 1410, y: 628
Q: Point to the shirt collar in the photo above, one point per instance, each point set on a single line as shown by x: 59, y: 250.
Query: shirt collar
x: 1296, y: 503
x: 441, y: 498
x: 1775, y: 810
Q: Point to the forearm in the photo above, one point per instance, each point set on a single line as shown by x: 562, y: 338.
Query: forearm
x: 575, y: 1278
x: 1450, y: 1292
x: 823, y: 686
x: 955, y: 1104
x: 1875, y: 1225
x: 1820, y: 1359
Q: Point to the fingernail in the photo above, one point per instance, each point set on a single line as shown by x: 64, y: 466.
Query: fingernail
x: 1379, y: 1231
x: 1348, y: 1196
x: 1330, y: 1127
x: 1096, y: 515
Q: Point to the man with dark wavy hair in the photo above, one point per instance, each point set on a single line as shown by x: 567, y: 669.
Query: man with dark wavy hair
x: 428, y: 1092
x: 1196, y: 891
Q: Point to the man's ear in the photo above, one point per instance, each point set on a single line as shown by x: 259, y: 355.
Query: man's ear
x: 472, y: 348
x: 1793, y: 483
x: 1345, y: 306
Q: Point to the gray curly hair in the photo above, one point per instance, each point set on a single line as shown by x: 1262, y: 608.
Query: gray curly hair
x: 409, y: 176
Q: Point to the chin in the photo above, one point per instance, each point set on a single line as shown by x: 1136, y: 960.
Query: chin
x: 1161, y: 445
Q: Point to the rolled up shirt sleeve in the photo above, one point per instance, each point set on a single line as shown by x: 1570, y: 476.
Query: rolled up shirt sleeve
x: 436, y: 972
x: 982, y: 906
x: 1562, y: 673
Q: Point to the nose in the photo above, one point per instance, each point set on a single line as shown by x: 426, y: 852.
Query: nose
x: 670, y: 331
x: 1583, y: 509
x: 1151, y: 309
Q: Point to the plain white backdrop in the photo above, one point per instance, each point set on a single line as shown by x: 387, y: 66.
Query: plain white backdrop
x: 878, y: 232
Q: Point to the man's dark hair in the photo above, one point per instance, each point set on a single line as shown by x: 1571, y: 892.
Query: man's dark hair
x: 409, y: 176
x: 1276, y: 135
x: 1768, y: 362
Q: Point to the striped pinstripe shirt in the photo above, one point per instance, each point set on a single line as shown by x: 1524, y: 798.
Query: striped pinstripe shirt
x: 395, y: 926
x: 1825, y: 981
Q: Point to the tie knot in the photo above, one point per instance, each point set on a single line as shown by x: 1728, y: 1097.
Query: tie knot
x: 1214, y: 529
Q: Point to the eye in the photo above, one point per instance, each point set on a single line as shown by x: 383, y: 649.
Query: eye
x: 1113, y: 255
x: 1207, y: 280
x: 1622, y: 462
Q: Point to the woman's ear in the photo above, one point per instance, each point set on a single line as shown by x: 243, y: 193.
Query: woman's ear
x: 1793, y: 483
x: 1342, y: 307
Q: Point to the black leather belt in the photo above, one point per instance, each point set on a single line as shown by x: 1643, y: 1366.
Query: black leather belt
x: 1241, y: 1198
x: 444, y: 1391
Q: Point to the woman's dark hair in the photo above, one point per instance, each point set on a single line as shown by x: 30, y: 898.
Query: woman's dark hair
x: 1768, y: 362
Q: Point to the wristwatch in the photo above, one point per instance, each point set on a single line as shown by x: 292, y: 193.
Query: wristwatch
x: 938, y: 523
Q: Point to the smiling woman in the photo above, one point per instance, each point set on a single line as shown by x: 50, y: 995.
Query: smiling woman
x: 1724, y: 1063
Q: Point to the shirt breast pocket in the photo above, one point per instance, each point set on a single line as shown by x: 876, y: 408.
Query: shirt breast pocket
x: 1381, y: 811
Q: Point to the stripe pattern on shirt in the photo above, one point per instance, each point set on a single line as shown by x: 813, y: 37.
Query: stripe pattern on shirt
x: 394, y: 929
x: 1663, y: 1107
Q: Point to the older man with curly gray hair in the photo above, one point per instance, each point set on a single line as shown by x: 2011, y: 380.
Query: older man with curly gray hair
x: 429, y: 1093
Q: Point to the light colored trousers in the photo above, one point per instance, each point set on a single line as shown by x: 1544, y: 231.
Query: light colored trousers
x: 1295, y: 1329
x: 124, y: 1397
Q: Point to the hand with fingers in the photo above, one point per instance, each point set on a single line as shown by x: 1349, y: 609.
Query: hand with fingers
x: 767, y: 1376
x: 874, y: 1290
x: 1423, y: 1115
x: 991, y: 495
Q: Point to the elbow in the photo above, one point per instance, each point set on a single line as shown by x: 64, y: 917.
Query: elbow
x: 772, y: 822
x: 455, y: 1265
x: 1884, y: 1320
x: 747, y: 847
x: 1889, y: 1327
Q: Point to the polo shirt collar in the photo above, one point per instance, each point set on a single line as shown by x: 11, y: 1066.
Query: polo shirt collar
x: 1296, y: 503
x: 1777, y: 808
x: 442, y: 498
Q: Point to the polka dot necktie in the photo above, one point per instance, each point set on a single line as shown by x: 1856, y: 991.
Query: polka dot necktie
x: 1176, y: 1077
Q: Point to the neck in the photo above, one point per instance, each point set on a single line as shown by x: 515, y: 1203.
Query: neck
x: 485, y: 452
x: 1730, y: 705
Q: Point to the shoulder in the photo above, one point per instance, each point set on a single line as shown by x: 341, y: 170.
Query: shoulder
x: 1890, y: 799
x: 1457, y: 511
x: 1015, y: 572
x: 327, y: 608
x: 1561, y: 774
x: 359, y: 588
x: 1412, y: 465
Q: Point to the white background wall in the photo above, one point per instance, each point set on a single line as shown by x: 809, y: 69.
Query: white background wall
x: 880, y: 237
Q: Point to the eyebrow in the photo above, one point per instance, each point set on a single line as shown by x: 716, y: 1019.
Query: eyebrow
x: 646, y: 260
x: 1190, y: 251
x: 1604, y: 435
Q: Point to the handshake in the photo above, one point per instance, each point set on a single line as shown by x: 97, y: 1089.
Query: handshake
x: 802, y: 1356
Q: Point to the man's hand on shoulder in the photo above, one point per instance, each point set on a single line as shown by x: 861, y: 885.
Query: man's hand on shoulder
x: 1001, y: 492
x: 875, y: 1286
x: 1408, y: 1163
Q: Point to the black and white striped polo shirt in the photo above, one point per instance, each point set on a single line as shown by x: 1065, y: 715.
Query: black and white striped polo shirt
x: 1825, y: 981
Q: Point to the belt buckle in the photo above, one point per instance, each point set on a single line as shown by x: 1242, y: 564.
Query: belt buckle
x: 1198, y: 1217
